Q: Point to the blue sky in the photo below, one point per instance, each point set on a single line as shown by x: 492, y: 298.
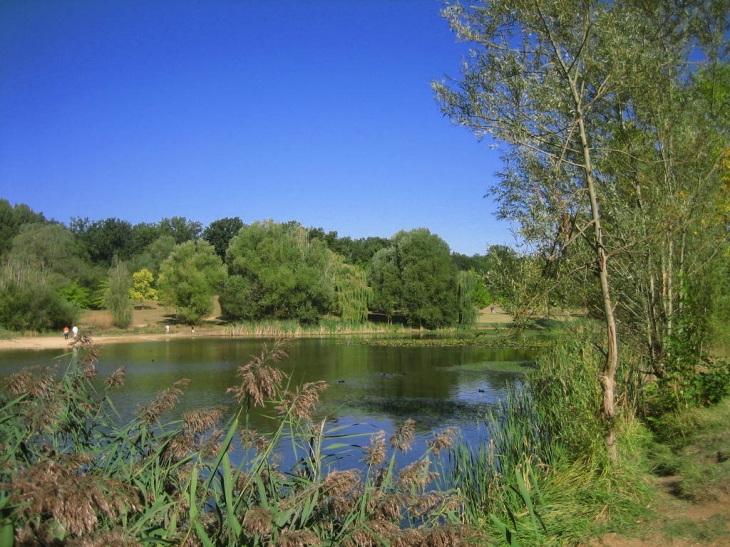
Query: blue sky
x: 314, y: 111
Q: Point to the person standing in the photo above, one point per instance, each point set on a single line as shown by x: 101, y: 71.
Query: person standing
x: 167, y: 329
x: 75, y: 331
x: 65, y: 333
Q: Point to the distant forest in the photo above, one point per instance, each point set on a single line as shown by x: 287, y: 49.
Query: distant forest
x: 259, y: 271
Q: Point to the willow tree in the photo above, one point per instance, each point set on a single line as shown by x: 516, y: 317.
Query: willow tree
x: 554, y: 81
x: 352, y: 293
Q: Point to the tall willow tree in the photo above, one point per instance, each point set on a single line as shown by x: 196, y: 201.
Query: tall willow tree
x: 352, y: 293
x: 557, y: 82
x: 468, y: 285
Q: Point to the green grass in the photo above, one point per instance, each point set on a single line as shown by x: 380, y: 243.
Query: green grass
x: 694, y: 445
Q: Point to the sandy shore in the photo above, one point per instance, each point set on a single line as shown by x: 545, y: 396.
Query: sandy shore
x: 50, y: 342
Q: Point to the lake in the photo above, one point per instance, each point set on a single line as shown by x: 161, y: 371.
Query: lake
x: 371, y: 388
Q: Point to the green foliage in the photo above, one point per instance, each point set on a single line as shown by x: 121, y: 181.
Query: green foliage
x: 26, y: 307
x: 12, y: 219
x: 542, y: 477
x: 352, y: 294
x: 238, y: 300
x: 285, y: 275
x: 467, y: 285
x: 416, y: 277
x: 104, y: 239
x: 692, y: 445
x: 77, y: 295
x: 220, y: 232
x: 358, y: 252
x: 154, y: 254
x: 282, y: 268
x: 189, y: 278
x: 181, y: 229
x: 49, y: 249
x: 116, y: 296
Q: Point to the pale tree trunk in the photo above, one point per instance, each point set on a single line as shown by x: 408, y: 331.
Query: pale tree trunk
x: 607, y: 378
x: 608, y: 375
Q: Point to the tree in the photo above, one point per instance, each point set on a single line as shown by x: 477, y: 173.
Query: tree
x: 467, y: 283
x: 181, y: 229
x: 557, y: 82
x: 416, y: 277
x: 51, y: 249
x: 220, y: 232
x: 12, y: 218
x: 105, y: 239
x: 116, y: 295
x: 142, y: 286
x: 152, y: 257
x: 352, y: 293
x: 189, y: 279
x: 284, y: 272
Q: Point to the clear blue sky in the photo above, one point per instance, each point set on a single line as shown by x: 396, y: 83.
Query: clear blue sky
x: 314, y: 111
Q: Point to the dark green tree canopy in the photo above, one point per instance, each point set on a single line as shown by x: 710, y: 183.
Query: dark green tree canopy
x: 104, y: 239
x: 417, y: 278
x: 220, y: 232
x: 283, y: 268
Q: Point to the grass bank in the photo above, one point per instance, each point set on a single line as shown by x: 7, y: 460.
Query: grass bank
x: 71, y: 474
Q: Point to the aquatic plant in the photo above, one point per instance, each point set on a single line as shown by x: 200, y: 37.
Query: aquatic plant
x: 71, y: 473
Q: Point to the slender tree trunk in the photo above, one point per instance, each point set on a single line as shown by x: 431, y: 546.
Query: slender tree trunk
x: 608, y: 375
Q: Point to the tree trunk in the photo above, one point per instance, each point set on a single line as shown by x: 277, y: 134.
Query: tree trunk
x: 608, y: 375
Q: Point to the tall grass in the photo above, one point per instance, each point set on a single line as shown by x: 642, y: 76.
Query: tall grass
x: 325, y: 327
x: 71, y: 473
x: 544, y: 478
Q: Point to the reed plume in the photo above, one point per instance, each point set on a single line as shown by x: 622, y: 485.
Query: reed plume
x: 259, y: 380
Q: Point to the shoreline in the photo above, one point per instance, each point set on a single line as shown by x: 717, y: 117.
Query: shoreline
x: 40, y: 343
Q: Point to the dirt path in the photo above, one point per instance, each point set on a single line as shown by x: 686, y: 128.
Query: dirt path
x: 681, y: 523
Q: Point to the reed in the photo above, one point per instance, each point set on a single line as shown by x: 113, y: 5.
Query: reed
x: 71, y: 473
x: 326, y: 327
x: 543, y: 478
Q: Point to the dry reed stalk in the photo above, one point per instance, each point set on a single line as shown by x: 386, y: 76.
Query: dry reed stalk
x: 300, y: 403
x: 402, y: 439
x: 259, y: 381
x: 164, y: 401
x: 375, y: 452
x: 298, y: 538
x: 258, y: 521
x: 443, y: 440
x: 116, y: 379
x: 55, y: 494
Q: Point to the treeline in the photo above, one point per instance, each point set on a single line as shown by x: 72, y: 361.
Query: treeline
x: 264, y: 270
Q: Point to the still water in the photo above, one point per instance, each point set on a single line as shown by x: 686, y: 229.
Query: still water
x: 371, y: 388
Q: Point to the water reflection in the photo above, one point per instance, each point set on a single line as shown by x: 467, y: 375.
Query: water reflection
x: 370, y: 388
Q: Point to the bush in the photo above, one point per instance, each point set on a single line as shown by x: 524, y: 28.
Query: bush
x: 35, y: 309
